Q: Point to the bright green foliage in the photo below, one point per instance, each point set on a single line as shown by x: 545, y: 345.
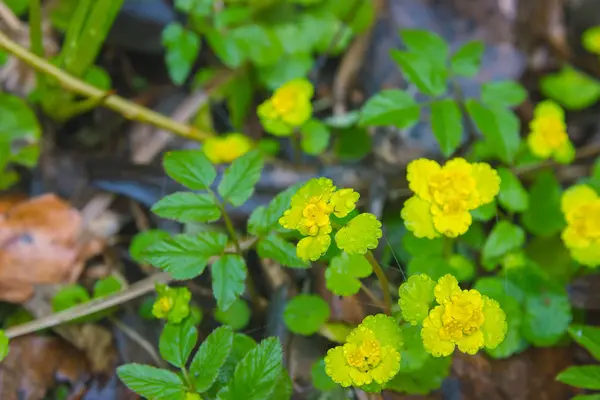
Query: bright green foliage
x: 151, y: 382
x: 390, y: 107
x: 228, y: 276
x: 182, y: 47
x: 446, y: 122
x: 344, y: 272
x: 191, y: 168
x: 545, y: 218
x: 586, y: 377
x: 4, y: 345
x: 503, y: 238
x: 240, y: 177
x: 485, y: 212
x: 241, y: 345
x: 571, y: 88
x: 263, y: 220
x: 353, y: 143
x: 421, y: 246
x: 188, y: 207
x: 320, y: 379
x: 513, y: 195
x: 551, y: 253
x: 416, y: 298
x: 106, y: 286
x: 237, y: 315
x: 588, y: 337
x: 185, y: 256
x: 305, y: 314
x: 461, y: 267
x: 210, y: 357
x: 503, y: 93
x: 69, y: 296
x: 177, y: 342
x: 434, y: 265
x: 467, y: 59
x: 172, y: 304
x: 359, y: 235
x: 428, y: 76
x: 280, y: 250
x: 143, y: 240
x: 315, y: 137
x: 423, y: 380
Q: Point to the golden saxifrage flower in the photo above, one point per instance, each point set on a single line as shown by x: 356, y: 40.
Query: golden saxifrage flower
x: 225, y: 149
x: 172, y: 304
x: 371, y: 353
x: 548, y: 133
x: 310, y: 211
x: 288, y: 108
x: 445, y: 195
x: 591, y: 39
x: 581, y: 206
x: 463, y: 318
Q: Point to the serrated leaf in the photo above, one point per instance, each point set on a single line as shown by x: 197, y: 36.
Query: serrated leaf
x: 283, y: 388
x: 547, y: 317
x: 588, y: 337
x: 143, y: 240
x: 503, y: 238
x: 106, y: 286
x: 466, y: 61
x: 305, y: 313
x: 499, y: 126
x: 513, y: 195
x: 237, y: 315
x: 182, y: 48
x: 228, y: 276
x: 428, y: 43
x: 281, y: 251
x: 585, y: 376
x: 343, y: 275
x: 446, y: 122
x: 390, y: 107
x: 429, y: 77
x: 210, y: 357
x: 152, y: 383
x: 240, y: 177
x: 433, y: 265
x: 545, y: 218
x: 256, y: 375
x: 503, y: 93
x: 242, y: 344
x: 571, y: 88
x: 177, y: 342
x: 185, y: 256
x: 191, y: 168
x: 315, y: 137
x: 188, y: 207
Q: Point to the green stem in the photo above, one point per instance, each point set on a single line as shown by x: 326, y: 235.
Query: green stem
x: 188, y: 381
x: 35, y: 36
x: 383, y: 282
x: 448, y: 242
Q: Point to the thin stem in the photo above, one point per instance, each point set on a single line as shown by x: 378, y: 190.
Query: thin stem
x: 383, y: 282
x: 124, y: 107
x: 448, y: 246
x: 230, y: 229
x: 35, y: 36
x: 188, y: 381
x: 371, y: 295
x: 139, y: 339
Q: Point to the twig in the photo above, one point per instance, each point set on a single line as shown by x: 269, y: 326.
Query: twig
x: 383, y: 282
x: 124, y: 107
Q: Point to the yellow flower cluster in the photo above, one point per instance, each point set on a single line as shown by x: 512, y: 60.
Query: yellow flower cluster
x: 445, y: 195
x: 172, y: 304
x: 463, y: 318
x: 310, y: 211
x: 225, y: 149
x: 288, y: 108
x: 548, y: 133
x: 371, y: 353
x: 591, y: 39
x: 581, y: 206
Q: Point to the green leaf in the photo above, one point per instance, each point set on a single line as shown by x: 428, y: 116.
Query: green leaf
x: 503, y: 93
x: 239, y: 98
x: 305, y: 313
x: 143, y: 240
x: 4, y: 345
x: 240, y: 177
x: 259, y: 43
x: 98, y: 77
x: 413, y: 354
x: 188, y: 207
x: 344, y: 272
x: 242, y: 344
x: 185, y: 256
x: 69, y: 296
x: 585, y: 376
x: 466, y: 61
x: 177, y: 342
x: 281, y: 251
x: 290, y: 66
x: 503, y: 238
x: 588, y: 337
x: 429, y: 77
x: 545, y: 218
x: 571, y: 88
x: 320, y: 379
x: 195, y: 7
x: 462, y: 267
x: 586, y: 397
x: 547, y: 317
x: 283, y: 388
x: 237, y: 315
x: 550, y: 253
x: 257, y: 374
x: 419, y: 246
x: 228, y: 276
x: 191, y: 168
x: 513, y: 195
x: 390, y: 107
x: 446, y: 122
x: 434, y: 265
x: 263, y: 220
x: 17, y: 120
x: 485, y: 212
x: 427, y: 43
x: 315, y: 137
x: 424, y: 380
x: 353, y: 144
x: 182, y: 48
x: 153, y: 383
x: 18, y: 7
x: 210, y: 357
x: 225, y: 47
x: 499, y: 126
x: 107, y: 286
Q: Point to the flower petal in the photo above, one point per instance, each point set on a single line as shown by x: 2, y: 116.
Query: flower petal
x: 336, y: 367
x: 388, y: 367
x: 430, y: 333
x: 313, y: 247
x: 343, y: 202
x: 271, y: 121
x: 299, y: 114
x: 576, y: 196
x: 418, y: 174
x: 360, y: 234
x: 385, y: 328
x: 447, y: 286
x: 417, y: 217
x: 416, y: 297
x: 451, y: 225
x: 487, y: 182
x: 565, y: 153
x: 588, y: 256
x: 548, y: 108
x: 494, y: 324
x: 573, y: 239
x: 471, y: 344
x: 322, y: 188
x: 538, y: 145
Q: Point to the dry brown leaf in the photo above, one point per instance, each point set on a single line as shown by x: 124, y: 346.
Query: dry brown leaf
x: 35, y: 363
x: 41, y: 242
x: 96, y: 342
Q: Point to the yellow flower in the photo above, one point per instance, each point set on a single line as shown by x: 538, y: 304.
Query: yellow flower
x: 225, y: 149
x: 548, y: 133
x: 581, y: 207
x: 192, y: 396
x: 288, y: 108
x: 591, y: 39
x: 172, y: 304
x: 445, y: 195
x: 371, y: 353
x: 311, y: 208
x: 463, y: 318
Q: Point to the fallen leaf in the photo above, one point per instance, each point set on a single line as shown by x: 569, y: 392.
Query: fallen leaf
x: 35, y: 363
x: 42, y: 241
